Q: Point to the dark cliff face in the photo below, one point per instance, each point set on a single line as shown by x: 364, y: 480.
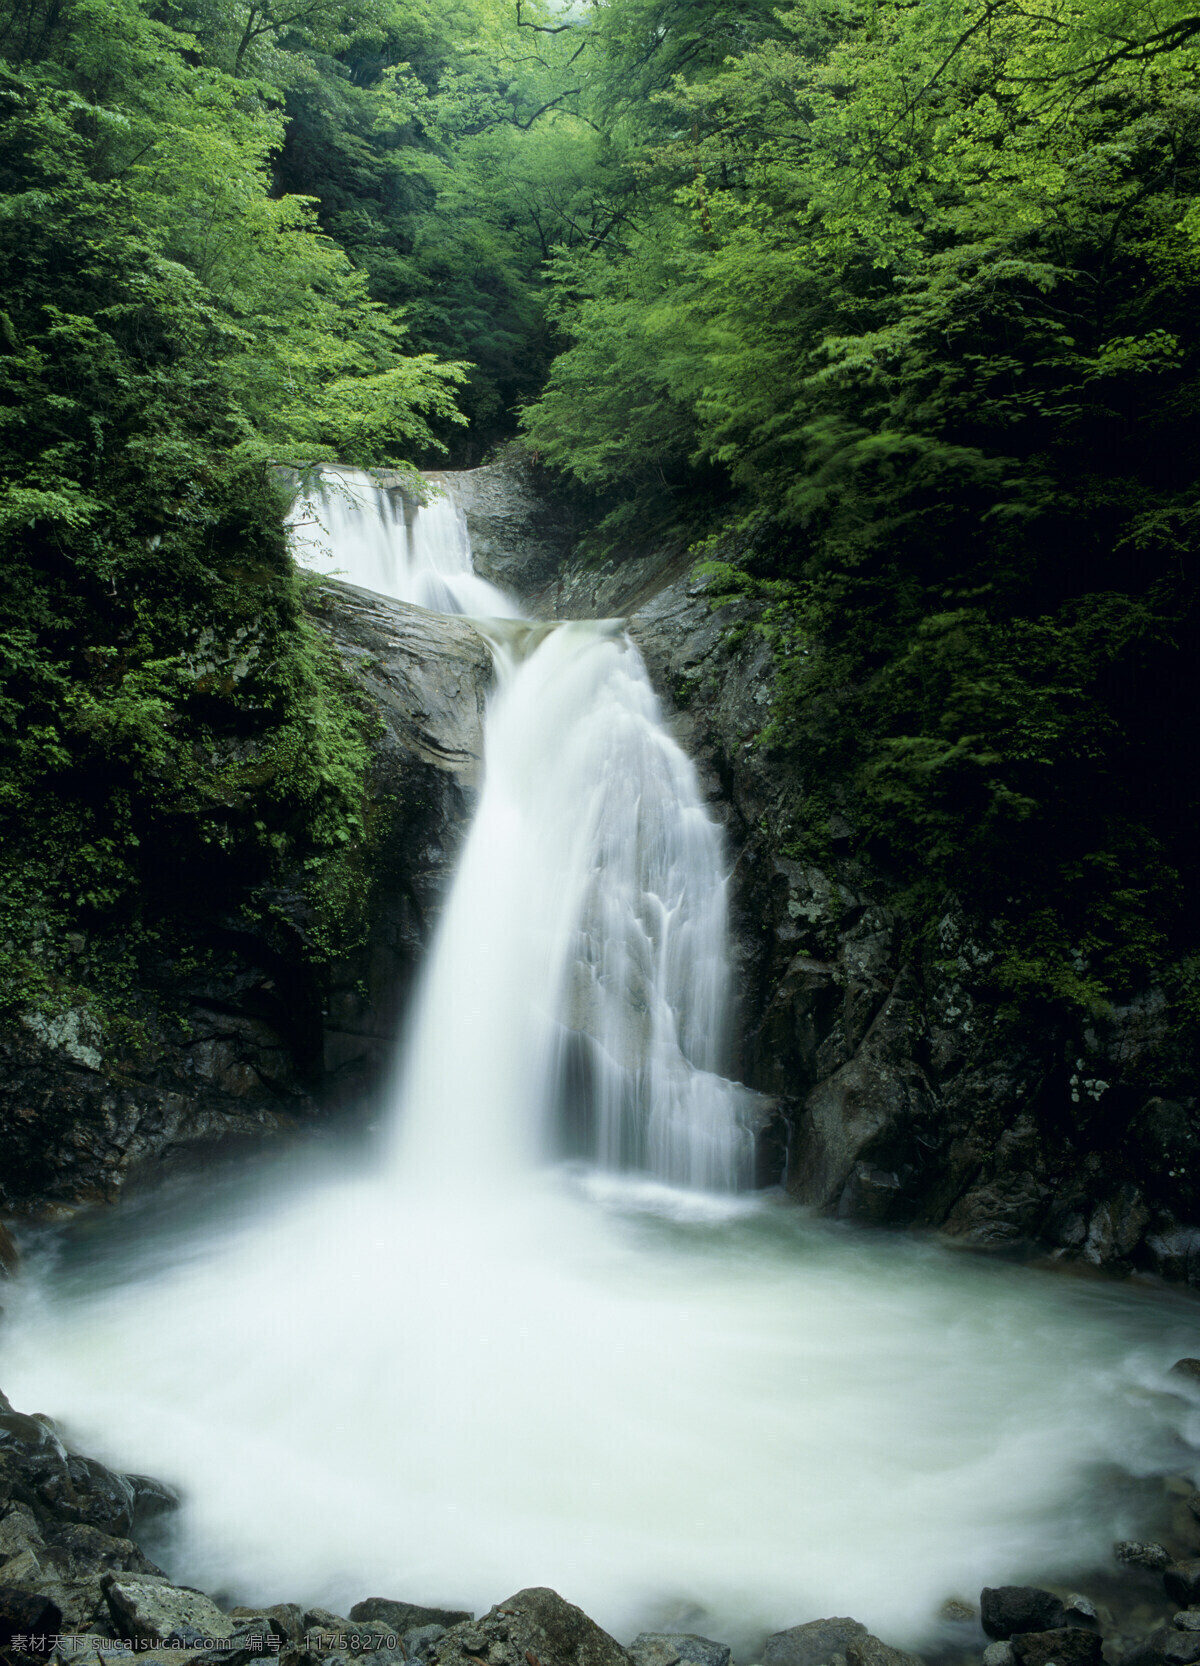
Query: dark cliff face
x: 247, y: 1033
x: 904, y: 1096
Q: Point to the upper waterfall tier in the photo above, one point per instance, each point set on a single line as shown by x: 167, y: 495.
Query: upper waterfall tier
x: 346, y: 525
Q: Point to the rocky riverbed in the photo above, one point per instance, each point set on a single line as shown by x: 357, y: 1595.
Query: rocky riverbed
x: 76, y: 1586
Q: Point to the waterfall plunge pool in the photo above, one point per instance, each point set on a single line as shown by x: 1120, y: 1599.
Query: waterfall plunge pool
x: 725, y: 1415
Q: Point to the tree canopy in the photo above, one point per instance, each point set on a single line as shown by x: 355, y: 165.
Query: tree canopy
x: 889, y: 305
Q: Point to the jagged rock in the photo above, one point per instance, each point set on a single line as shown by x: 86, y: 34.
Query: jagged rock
x: 659, y: 1648
x: 998, y: 1654
x: 78, y: 1549
x: 288, y: 1620
x: 1188, y: 1620
x: 813, y: 1644
x: 1006, y: 1610
x: 323, y: 1629
x: 1138, y: 1553
x: 1062, y: 1645
x: 535, y: 1623
x: 98, y: 1649
x: 407, y: 1616
x: 149, y: 1609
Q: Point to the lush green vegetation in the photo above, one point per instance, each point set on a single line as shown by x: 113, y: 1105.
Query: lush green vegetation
x: 916, y: 286
x: 170, y: 724
x: 893, y: 302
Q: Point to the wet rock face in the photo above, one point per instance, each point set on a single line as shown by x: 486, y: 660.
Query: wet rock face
x: 521, y: 536
x: 902, y: 1098
x: 428, y: 676
x: 259, y: 1037
x: 64, y: 1526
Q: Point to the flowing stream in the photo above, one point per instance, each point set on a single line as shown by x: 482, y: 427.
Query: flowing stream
x: 537, y: 1330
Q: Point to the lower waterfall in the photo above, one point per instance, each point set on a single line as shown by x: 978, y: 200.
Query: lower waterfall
x: 577, y: 993
x: 539, y: 1331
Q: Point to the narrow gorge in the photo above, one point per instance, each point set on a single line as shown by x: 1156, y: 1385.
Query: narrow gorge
x: 553, y: 1316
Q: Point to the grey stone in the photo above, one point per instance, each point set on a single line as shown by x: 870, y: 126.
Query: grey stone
x: 259, y: 1622
x: 874, y: 1098
x: 998, y: 1654
x: 79, y: 1550
x: 1188, y: 1620
x: 289, y: 1618
x: 1139, y: 1553
x: 659, y: 1648
x: 813, y: 1644
x: 158, y: 1613
x: 520, y: 537
x: 25, y: 1570
x: 1187, y: 1373
x: 535, y: 1622
x: 92, y: 1647
x: 652, y: 1648
x: 418, y: 1643
x: 19, y: 1531
x: 1005, y: 1610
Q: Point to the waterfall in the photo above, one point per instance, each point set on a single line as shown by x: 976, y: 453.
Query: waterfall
x: 577, y: 995
x: 346, y: 525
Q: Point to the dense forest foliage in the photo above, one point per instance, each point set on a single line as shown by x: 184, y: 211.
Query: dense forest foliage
x: 915, y: 287
x: 890, y: 305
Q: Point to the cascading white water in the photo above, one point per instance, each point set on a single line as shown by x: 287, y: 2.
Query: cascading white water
x: 587, y: 919
x: 345, y: 524
x: 458, y: 1369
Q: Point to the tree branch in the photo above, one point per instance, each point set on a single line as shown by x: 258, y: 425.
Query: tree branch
x: 544, y: 28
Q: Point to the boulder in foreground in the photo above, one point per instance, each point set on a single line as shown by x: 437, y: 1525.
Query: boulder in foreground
x: 536, y: 1627
x: 1006, y: 1610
